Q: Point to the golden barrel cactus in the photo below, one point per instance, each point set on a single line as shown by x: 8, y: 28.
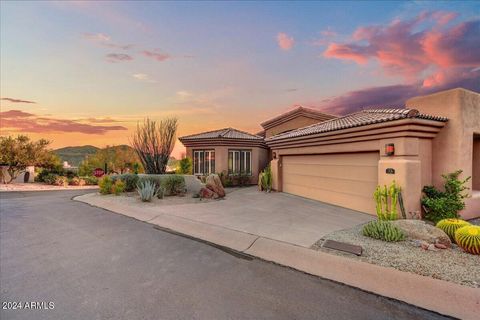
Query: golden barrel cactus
x: 449, y: 226
x: 468, y: 238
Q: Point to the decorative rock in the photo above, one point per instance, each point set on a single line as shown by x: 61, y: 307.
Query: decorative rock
x: 424, y: 245
x: 419, y: 230
x: 207, y: 193
x: 214, y: 183
x: 431, y: 247
x: 440, y: 246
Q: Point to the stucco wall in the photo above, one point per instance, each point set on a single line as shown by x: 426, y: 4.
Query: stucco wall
x: 476, y: 164
x: 298, y: 122
x: 452, y: 149
x: 259, y: 158
x: 411, y: 162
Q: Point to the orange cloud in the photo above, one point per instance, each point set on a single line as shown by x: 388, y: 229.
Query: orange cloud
x: 17, y: 100
x: 285, y: 42
x: 16, y: 120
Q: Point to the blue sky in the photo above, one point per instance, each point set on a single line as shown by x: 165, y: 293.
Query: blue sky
x: 217, y: 64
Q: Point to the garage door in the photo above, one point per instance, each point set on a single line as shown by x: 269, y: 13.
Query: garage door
x: 347, y: 179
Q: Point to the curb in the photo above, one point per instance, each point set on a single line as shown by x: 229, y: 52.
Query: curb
x: 440, y: 296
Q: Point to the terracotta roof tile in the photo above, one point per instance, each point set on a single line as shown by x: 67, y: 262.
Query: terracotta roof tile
x: 356, y: 119
x: 226, y: 133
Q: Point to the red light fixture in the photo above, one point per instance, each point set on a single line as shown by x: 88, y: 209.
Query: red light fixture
x: 389, y: 149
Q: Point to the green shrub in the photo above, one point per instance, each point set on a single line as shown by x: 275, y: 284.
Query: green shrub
x: 50, y: 178
x: 445, y: 204
x: 90, y: 180
x: 147, y: 190
x: 118, y: 187
x: 184, y: 166
x: 129, y: 179
x: 173, y: 184
x: 386, y: 200
x: 383, y: 230
x: 449, y: 226
x: 160, y: 192
x: 105, y: 184
x: 40, y: 177
x: 76, y: 181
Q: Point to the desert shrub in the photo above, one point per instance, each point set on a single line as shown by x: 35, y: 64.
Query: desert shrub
x: 383, y: 230
x: 61, y: 181
x: 40, y: 177
x: 449, y: 226
x: 445, y: 204
x: 174, y: 184
x: 146, y: 190
x: 118, y: 187
x: 105, y: 184
x: 129, y: 179
x: 90, y: 180
x: 76, y: 181
x: 468, y: 238
x: 184, y: 166
x: 386, y: 200
x: 50, y: 178
x: 160, y: 192
x: 155, y: 179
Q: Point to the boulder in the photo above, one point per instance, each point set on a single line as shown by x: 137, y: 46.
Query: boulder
x: 214, y: 183
x: 207, y: 193
x: 419, y: 230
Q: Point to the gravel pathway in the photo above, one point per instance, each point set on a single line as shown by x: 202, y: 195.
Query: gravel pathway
x: 451, y: 264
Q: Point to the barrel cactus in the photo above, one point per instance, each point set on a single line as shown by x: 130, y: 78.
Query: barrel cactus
x: 449, y: 226
x: 468, y: 238
x: 383, y: 230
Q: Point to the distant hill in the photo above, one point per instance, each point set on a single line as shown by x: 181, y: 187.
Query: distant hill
x: 75, y: 155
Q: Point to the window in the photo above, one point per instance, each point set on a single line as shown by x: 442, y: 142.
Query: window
x: 240, y: 161
x: 203, y: 162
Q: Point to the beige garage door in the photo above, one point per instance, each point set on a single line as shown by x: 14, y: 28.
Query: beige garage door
x: 347, y: 179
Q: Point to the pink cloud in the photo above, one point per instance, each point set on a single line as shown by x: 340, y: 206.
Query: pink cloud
x: 17, y: 100
x: 20, y: 121
x: 425, y: 44
x: 155, y: 55
x: 396, y: 95
x: 285, y: 42
x: 118, y: 57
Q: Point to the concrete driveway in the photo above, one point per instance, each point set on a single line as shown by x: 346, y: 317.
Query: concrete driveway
x: 277, y: 216
x: 93, y: 264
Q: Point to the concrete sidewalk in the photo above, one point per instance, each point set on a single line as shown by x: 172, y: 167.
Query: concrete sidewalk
x: 272, y: 242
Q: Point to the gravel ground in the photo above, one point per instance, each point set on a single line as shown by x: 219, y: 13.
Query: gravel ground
x: 475, y: 221
x: 451, y: 264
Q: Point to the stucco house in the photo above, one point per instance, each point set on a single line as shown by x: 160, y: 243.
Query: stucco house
x: 341, y: 159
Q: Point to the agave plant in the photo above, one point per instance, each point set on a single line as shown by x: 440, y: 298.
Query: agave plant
x: 147, y: 190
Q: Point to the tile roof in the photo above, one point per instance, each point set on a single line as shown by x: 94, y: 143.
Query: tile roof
x: 226, y: 133
x: 356, y: 119
x: 299, y: 110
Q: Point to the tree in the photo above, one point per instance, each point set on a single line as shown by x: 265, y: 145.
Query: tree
x: 119, y: 159
x: 154, y: 144
x: 184, y: 166
x: 20, y: 152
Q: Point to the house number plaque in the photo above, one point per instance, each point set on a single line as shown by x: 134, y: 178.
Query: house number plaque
x: 390, y: 171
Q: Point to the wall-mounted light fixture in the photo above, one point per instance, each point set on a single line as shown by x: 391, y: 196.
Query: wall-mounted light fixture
x: 274, y: 155
x: 389, y: 149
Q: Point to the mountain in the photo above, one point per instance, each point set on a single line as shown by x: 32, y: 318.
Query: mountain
x: 75, y: 155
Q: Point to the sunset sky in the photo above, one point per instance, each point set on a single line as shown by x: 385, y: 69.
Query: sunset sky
x: 84, y: 72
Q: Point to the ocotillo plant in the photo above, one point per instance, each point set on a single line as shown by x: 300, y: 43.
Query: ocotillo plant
x: 386, y: 200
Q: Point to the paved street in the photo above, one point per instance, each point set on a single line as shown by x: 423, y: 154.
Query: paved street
x: 94, y: 264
